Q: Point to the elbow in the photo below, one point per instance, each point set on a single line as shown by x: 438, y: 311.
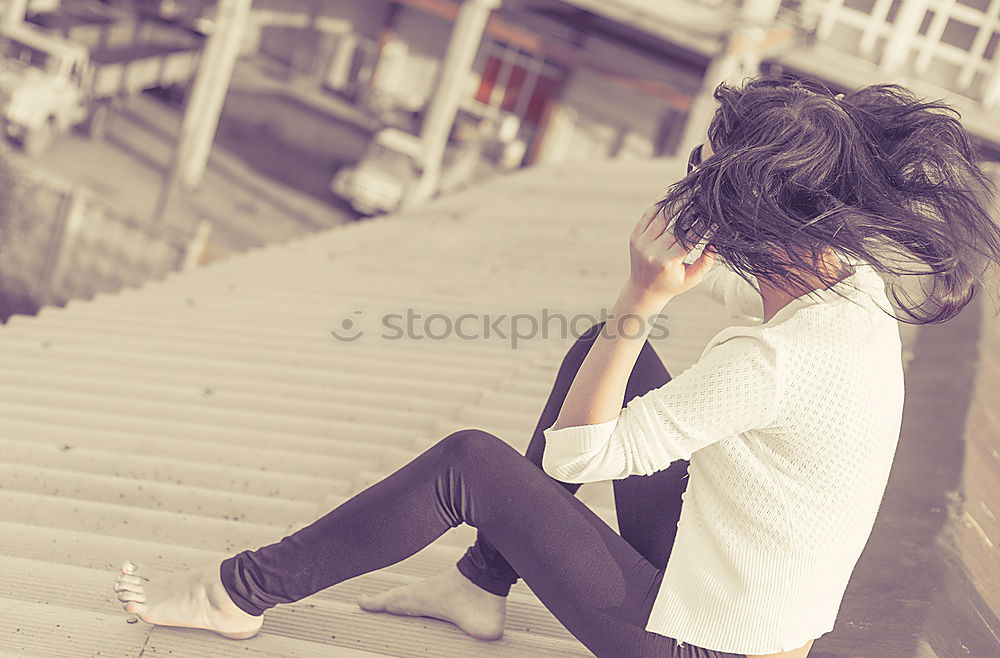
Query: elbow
x: 563, y: 472
x: 553, y: 470
x: 577, y: 455
x: 548, y: 466
x: 570, y: 478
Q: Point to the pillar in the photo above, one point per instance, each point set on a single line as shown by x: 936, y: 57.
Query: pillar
x: 463, y: 45
x: 904, y: 29
x: 233, y: 19
x: 14, y: 12
x: 204, y: 105
x: 738, y: 58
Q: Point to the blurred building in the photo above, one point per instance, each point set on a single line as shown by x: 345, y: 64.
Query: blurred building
x: 591, y: 78
x: 938, y: 49
x: 581, y: 84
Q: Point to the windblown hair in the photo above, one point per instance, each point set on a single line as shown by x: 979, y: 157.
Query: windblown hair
x: 878, y: 175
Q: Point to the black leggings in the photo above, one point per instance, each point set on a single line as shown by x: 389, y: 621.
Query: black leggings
x: 600, y: 585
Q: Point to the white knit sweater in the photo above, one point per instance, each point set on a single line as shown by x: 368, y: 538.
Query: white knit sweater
x: 790, y: 427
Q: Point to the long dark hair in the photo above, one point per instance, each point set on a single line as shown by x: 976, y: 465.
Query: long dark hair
x: 878, y: 175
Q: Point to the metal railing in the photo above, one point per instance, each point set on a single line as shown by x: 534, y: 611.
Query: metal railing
x: 945, y: 43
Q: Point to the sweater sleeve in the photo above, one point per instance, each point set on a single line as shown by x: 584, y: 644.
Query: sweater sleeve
x: 730, y: 289
x: 732, y: 388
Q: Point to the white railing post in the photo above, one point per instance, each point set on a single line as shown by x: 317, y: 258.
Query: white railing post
x: 14, y: 12
x: 901, y: 40
x: 71, y: 215
x: 195, y: 249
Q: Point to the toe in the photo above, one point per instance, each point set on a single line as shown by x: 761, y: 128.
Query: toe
x: 129, y: 587
x: 129, y: 567
x: 403, y: 604
x: 126, y: 595
x: 134, y: 608
x: 371, y: 603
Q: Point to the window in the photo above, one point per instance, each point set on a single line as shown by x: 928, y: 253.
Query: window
x: 515, y: 81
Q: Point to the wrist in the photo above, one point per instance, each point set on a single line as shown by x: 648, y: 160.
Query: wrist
x: 635, y: 312
x: 638, y: 300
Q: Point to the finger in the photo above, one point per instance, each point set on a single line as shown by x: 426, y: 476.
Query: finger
x: 643, y: 223
x: 658, y: 227
x: 655, y: 232
x: 696, y: 270
x: 666, y: 244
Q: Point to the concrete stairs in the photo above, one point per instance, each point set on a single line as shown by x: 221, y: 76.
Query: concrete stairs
x: 213, y: 411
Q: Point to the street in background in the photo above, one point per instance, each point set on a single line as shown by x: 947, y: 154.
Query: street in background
x: 63, y: 70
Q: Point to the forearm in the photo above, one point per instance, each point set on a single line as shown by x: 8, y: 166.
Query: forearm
x: 577, y: 448
x: 597, y: 391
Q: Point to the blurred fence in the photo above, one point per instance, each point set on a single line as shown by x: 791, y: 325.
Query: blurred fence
x: 64, y: 243
x: 948, y: 44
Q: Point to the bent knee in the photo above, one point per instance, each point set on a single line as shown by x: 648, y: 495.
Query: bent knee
x: 470, y: 443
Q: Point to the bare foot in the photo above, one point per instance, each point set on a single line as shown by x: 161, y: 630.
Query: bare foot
x: 192, y: 599
x: 449, y: 596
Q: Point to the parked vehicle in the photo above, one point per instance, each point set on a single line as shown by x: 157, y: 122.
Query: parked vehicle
x: 50, y: 84
x: 379, y: 182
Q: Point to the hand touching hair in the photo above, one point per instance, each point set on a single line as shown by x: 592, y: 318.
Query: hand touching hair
x: 878, y: 175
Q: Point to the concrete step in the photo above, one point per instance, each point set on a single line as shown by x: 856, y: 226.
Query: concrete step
x: 29, y: 629
x: 108, y: 551
x: 210, y: 533
x: 194, y: 471
x: 517, y: 403
x: 520, y: 422
x: 581, y: 274
x: 144, y: 495
x: 336, y: 617
x: 208, y: 327
x: 142, y: 409
x: 566, y: 285
x: 298, y: 382
x: 406, y: 412
x: 126, y: 520
x: 82, y: 577
x: 282, y: 453
x: 52, y: 630
x: 457, y: 371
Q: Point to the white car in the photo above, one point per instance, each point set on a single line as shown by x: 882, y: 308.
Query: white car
x: 380, y: 180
